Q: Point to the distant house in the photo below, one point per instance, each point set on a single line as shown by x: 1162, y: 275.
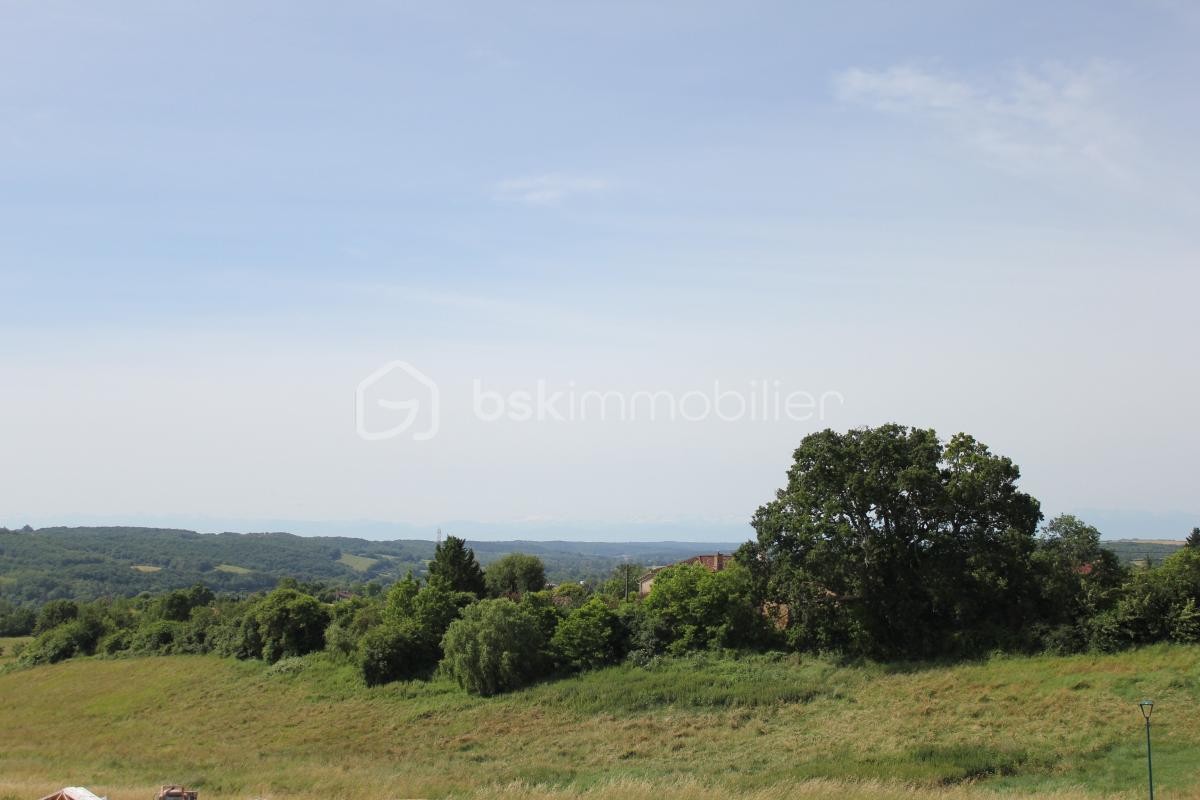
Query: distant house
x: 714, y: 562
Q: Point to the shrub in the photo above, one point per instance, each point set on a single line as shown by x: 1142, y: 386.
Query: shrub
x: 591, y: 636
x: 396, y: 651
x: 1156, y: 605
x: 77, y: 637
x: 195, y: 636
x: 290, y: 623
x: 238, y: 636
x: 1061, y: 640
x: 114, y: 643
x: 691, y: 608
x: 15, y: 620
x: 156, y: 638
x: 1183, y: 625
x: 437, y: 605
x: 175, y: 606
x: 55, y: 613
x: 341, y: 640
x: 350, y: 620
x: 495, y: 646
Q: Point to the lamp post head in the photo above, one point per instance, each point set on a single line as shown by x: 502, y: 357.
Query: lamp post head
x: 1147, y: 707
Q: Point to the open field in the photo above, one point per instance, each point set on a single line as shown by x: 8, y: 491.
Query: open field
x: 357, y: 563
x: 705, y: 727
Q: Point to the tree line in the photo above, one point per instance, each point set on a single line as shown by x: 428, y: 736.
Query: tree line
x: 885, y: 543
x: 87, y: 563
x: 891, y: 543
x: 491, y: 630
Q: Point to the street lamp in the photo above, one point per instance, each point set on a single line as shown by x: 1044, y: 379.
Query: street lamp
x: 1147, y: 707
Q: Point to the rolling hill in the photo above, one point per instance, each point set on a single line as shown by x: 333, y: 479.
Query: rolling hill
x: 86, y: 563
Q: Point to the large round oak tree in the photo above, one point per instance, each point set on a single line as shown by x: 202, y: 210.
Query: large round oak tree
x: 889, y: 542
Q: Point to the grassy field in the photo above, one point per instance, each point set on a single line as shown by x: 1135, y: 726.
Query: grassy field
x: 6, y: 647
x: 358, y: 563
x: 233, y: 569
x: 758, y: 727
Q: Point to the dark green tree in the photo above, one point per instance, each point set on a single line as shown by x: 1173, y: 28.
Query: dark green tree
x: 15, y: 620
x: 691, y: 607
x: 888, y: 542
x: 515, y: 574
x: 175, y: 606
x: 455, y: 563
x: 1193, y: 539
x: 432, y: 606
x: 1078, y: 578
x: 591, y: 636
x: 200, y: 595
x: 1157, y: 604
x: 569, y: 595
x: 408, y: 642
x: 55, y: 613
x: 547, y: 613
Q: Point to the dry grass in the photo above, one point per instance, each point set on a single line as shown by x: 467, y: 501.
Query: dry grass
x: 634, y: 789
x: 701, y: 728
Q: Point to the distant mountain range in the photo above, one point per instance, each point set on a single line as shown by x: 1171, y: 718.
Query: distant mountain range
x: 1113, y: 525
x: 534, y: 529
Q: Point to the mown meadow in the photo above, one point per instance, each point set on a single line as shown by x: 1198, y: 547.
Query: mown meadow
x: 701, y: 726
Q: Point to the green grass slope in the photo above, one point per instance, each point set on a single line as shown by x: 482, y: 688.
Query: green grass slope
x: 704, y: 727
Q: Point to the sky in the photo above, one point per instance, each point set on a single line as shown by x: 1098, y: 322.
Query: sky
x: 306, y: 266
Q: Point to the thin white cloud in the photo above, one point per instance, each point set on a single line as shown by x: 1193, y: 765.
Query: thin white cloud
x: 549, y: 189
x: 1054, y: 116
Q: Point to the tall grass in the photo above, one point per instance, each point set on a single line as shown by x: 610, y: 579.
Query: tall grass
x: 700, y: 727
x: 9, y: 646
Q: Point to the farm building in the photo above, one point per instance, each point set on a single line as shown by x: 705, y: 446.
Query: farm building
x: 715, y: 562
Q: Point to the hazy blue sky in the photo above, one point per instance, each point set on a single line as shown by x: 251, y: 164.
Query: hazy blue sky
x: 217, y: 218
